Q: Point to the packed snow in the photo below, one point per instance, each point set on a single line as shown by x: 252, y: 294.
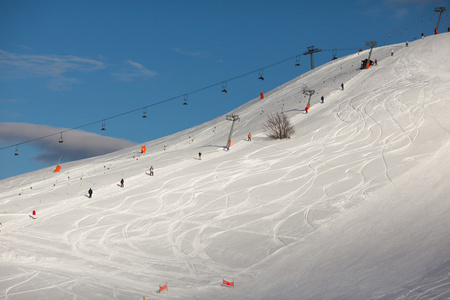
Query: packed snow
x: 355, y: 205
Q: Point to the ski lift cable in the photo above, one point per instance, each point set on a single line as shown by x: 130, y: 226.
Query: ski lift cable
x: 162, y: 101
x: 183, y: 95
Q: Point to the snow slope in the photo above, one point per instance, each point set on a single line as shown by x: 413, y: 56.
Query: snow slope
x: 353, y: 206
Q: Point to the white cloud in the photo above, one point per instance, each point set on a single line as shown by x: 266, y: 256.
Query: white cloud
x: 77, y: 144
x: 51, y: 67
x: 133, y: 70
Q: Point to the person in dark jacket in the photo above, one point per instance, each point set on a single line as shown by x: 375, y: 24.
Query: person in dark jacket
x: 121, y: 183
x: 90, y: 193
x: 322, y: 99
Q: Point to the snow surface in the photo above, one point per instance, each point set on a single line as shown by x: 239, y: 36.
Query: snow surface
x: 354, y: 206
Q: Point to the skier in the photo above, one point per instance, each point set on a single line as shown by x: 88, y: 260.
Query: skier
x: 199, y: 155
x: 406, y: 44
x: 90, y: 193
x: 392, y: 52
x: 121, y: 183
x: 376, y: 62
x: 322, y: 99
x: 422, y: 34
x: 151, y: 171
x: 249, y: 137
x: 342, y: 86
x: 306, y: 109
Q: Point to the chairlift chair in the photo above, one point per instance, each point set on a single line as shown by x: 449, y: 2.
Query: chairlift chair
x: 334, y: 54
x: 185, y: 100
x: 103, y: 125
x: 144, y: 113
x: 61, y: 139
x: 261, y: 71
x: 224, y: 87
x: 17, y: 151
x: 297, y: 61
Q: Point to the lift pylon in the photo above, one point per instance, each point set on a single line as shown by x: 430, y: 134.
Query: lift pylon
x: 233, y: 118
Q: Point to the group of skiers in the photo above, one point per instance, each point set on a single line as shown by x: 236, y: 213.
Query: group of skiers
x: 122, y: 182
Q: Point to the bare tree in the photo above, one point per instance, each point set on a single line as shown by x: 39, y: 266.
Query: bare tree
x: 278, y: 126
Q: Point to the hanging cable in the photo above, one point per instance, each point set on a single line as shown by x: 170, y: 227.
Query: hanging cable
x: 103, y: 121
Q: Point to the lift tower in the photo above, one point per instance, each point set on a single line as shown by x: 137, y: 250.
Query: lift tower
x: 233, y: 118
x: 371, y: 44
x: 308, y: 92
x: 440, y: 10
x: 310, y: 51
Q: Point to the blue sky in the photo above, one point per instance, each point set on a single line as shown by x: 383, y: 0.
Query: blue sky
x: 64, y: 64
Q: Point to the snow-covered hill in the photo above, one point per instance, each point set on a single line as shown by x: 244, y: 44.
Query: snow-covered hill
x: 354, y: 206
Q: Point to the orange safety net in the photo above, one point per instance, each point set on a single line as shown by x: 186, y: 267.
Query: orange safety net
x: 143, y: 149
x: 262, y: 95
x: 58, y: 168
x: 162, y: 288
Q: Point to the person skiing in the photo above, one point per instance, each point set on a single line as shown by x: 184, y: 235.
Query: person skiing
x: 199, y: 155
x: 322, y: 99
x: 342, y: 86
x: 407, y: 44
x: 151, y: 171
x: 392, y: 52
x: 422, y: 34
x: 121, y: 183
x: 306, y: 109
x: 90, y: 193
x: 249, y: 137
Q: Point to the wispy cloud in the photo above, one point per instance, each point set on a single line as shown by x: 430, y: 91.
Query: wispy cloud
x: 187, y: 52
x: 132, y: 70
x: 77, y: 144
x: 54, y: 68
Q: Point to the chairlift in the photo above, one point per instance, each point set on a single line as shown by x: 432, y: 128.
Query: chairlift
x: 297, y: 61
x: 261, y: 71
x: 334, y: 54
x: 144, y: 112
x: 185, y: 99
x: 224, y: 87
x: 103, y: 125
x: 61, y: 139
x: 17, y: 151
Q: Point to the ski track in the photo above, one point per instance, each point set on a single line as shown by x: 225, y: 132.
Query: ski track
x: 182, y: 214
